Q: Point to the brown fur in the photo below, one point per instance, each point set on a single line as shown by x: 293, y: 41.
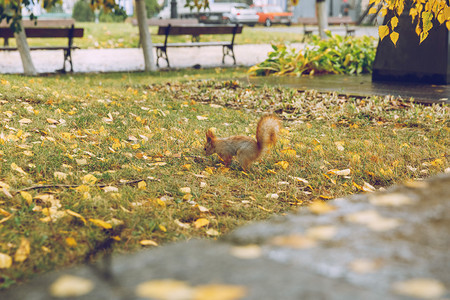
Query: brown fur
x: 246, y: 149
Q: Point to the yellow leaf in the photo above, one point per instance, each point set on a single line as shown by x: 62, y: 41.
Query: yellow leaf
x: 142, y: 185
x: 423, y: 36
x: 246, y: 252
x: 383, y: 31
x: 344, y: 172
x: 212, y: 232
x: 185, y: 190
x: 148, y: 243
x: 447, y: 24
x: 60, y: 175
x: 162, y: 228
x: 68, y: 286
x: 219, y: 292
x: 289, y: 152
x: 52, y: 121
x: 71, y: 242
x: 394, y: 22
x: 23, y: 251
x: 294, y: 241
x: 18, y: 169
x: 373, y: 10
x: 424, y: 288
x: 76, y: 215
x: 82, y: 189
x: 27, y: 196
x: 394, y: 37
x: 89, y: 179
x: 283, y: 164
x: 5, y: 261
x: 100, y: 223
x: 320, y: 207
x: 164, y: 289
x: 201, y: 223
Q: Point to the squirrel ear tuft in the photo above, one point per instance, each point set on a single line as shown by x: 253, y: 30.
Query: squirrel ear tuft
x: 210, y: 134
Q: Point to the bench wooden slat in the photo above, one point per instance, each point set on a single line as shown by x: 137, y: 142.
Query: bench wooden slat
x: 44, y: 32
x: 43, y: 23
x: 197, y: 44
x: 201, y: 29
x: 165, y: 22
x: 40, y: 48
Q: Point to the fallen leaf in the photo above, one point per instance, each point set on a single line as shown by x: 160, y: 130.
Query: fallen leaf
x: 52, y: 121
x: 344, y: 172
x: 71, y: 242
x: 5, y: 261
x: 142, y: 185
x: 320, y: 207
x: 71, y: 286
x: 76, y: 215
x: 27, y: 196
x: 182, y: 225
x: 60, y: 175
x: 185, y: 190
x: 325, y: 232
x: 340, y: 145
x: 219, y: 292
x: 282, y: 164
x: 272, y: 196
x: 373, y: 220
x: 100, y: 223
x: 364, y: 266
x: 23, y: 251
x: 25, y: 121
x: 18, y: 169
x: 246, y: 252
x: 89, y: 179
x: 165, y: 289
x: 391, y: 199
x: 148, y: 243
x: 295, y: 241
x: 109, y: 189
x: 202, y: 222
x: 424, y: 288
x: 212, y: 232
x: 202, y: 118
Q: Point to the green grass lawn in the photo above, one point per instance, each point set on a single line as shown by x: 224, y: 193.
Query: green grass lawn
x: 119, y: 157
x: 124, y: 35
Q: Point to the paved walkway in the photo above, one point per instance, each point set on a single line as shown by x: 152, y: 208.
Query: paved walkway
x: 132, y: 59
x: 392, y: 245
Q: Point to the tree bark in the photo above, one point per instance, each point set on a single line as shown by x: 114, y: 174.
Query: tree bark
x: 144, y: 34
x: 322, y: 18
x: 24, y: 50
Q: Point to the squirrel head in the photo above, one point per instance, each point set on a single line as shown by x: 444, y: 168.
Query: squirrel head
x: 209, y: 145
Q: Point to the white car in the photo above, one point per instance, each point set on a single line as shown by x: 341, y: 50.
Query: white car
x: 241, y: 13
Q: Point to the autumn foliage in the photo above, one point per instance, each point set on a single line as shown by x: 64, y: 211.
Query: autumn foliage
x: 422, y: 13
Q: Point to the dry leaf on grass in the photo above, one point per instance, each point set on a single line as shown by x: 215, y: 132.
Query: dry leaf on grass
x: 246, y: 252
x: 71, y: 286
x: 23, y: 251
x: 424, y: 288
x: 5, y: 261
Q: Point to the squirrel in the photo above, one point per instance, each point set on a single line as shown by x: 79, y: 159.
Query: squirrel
x: 245, y: 148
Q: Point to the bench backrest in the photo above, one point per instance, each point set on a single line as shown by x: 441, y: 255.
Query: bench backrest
x: 200, y: 29
x: 40, y: 32
x: 165, y: 22
x: 43, y: 23
x: 331, y: 20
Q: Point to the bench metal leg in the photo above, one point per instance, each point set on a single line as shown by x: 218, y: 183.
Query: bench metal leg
x: 67, y: 58
x: 161, y: 52
x: 228, y: 50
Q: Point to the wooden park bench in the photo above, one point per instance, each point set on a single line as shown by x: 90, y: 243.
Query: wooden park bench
x: 195, y: 31
x: 47, y: 29
x: 165, y: 22
x: 308, y: 31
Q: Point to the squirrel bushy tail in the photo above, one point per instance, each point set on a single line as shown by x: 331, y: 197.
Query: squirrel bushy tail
x: 245, y: 148
x: 267, y: 131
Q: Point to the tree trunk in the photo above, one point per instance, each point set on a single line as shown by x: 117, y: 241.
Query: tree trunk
x: 322, y: 18
x: 144, y: 34
x: 24, y: 50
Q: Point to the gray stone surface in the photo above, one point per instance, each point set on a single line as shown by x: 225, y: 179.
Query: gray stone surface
x: 403, y: 233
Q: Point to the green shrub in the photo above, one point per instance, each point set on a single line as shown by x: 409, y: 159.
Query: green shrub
x: 337, y: 54
x: 152, y: 8
x: 82, y: 12
x: 116, y: 15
